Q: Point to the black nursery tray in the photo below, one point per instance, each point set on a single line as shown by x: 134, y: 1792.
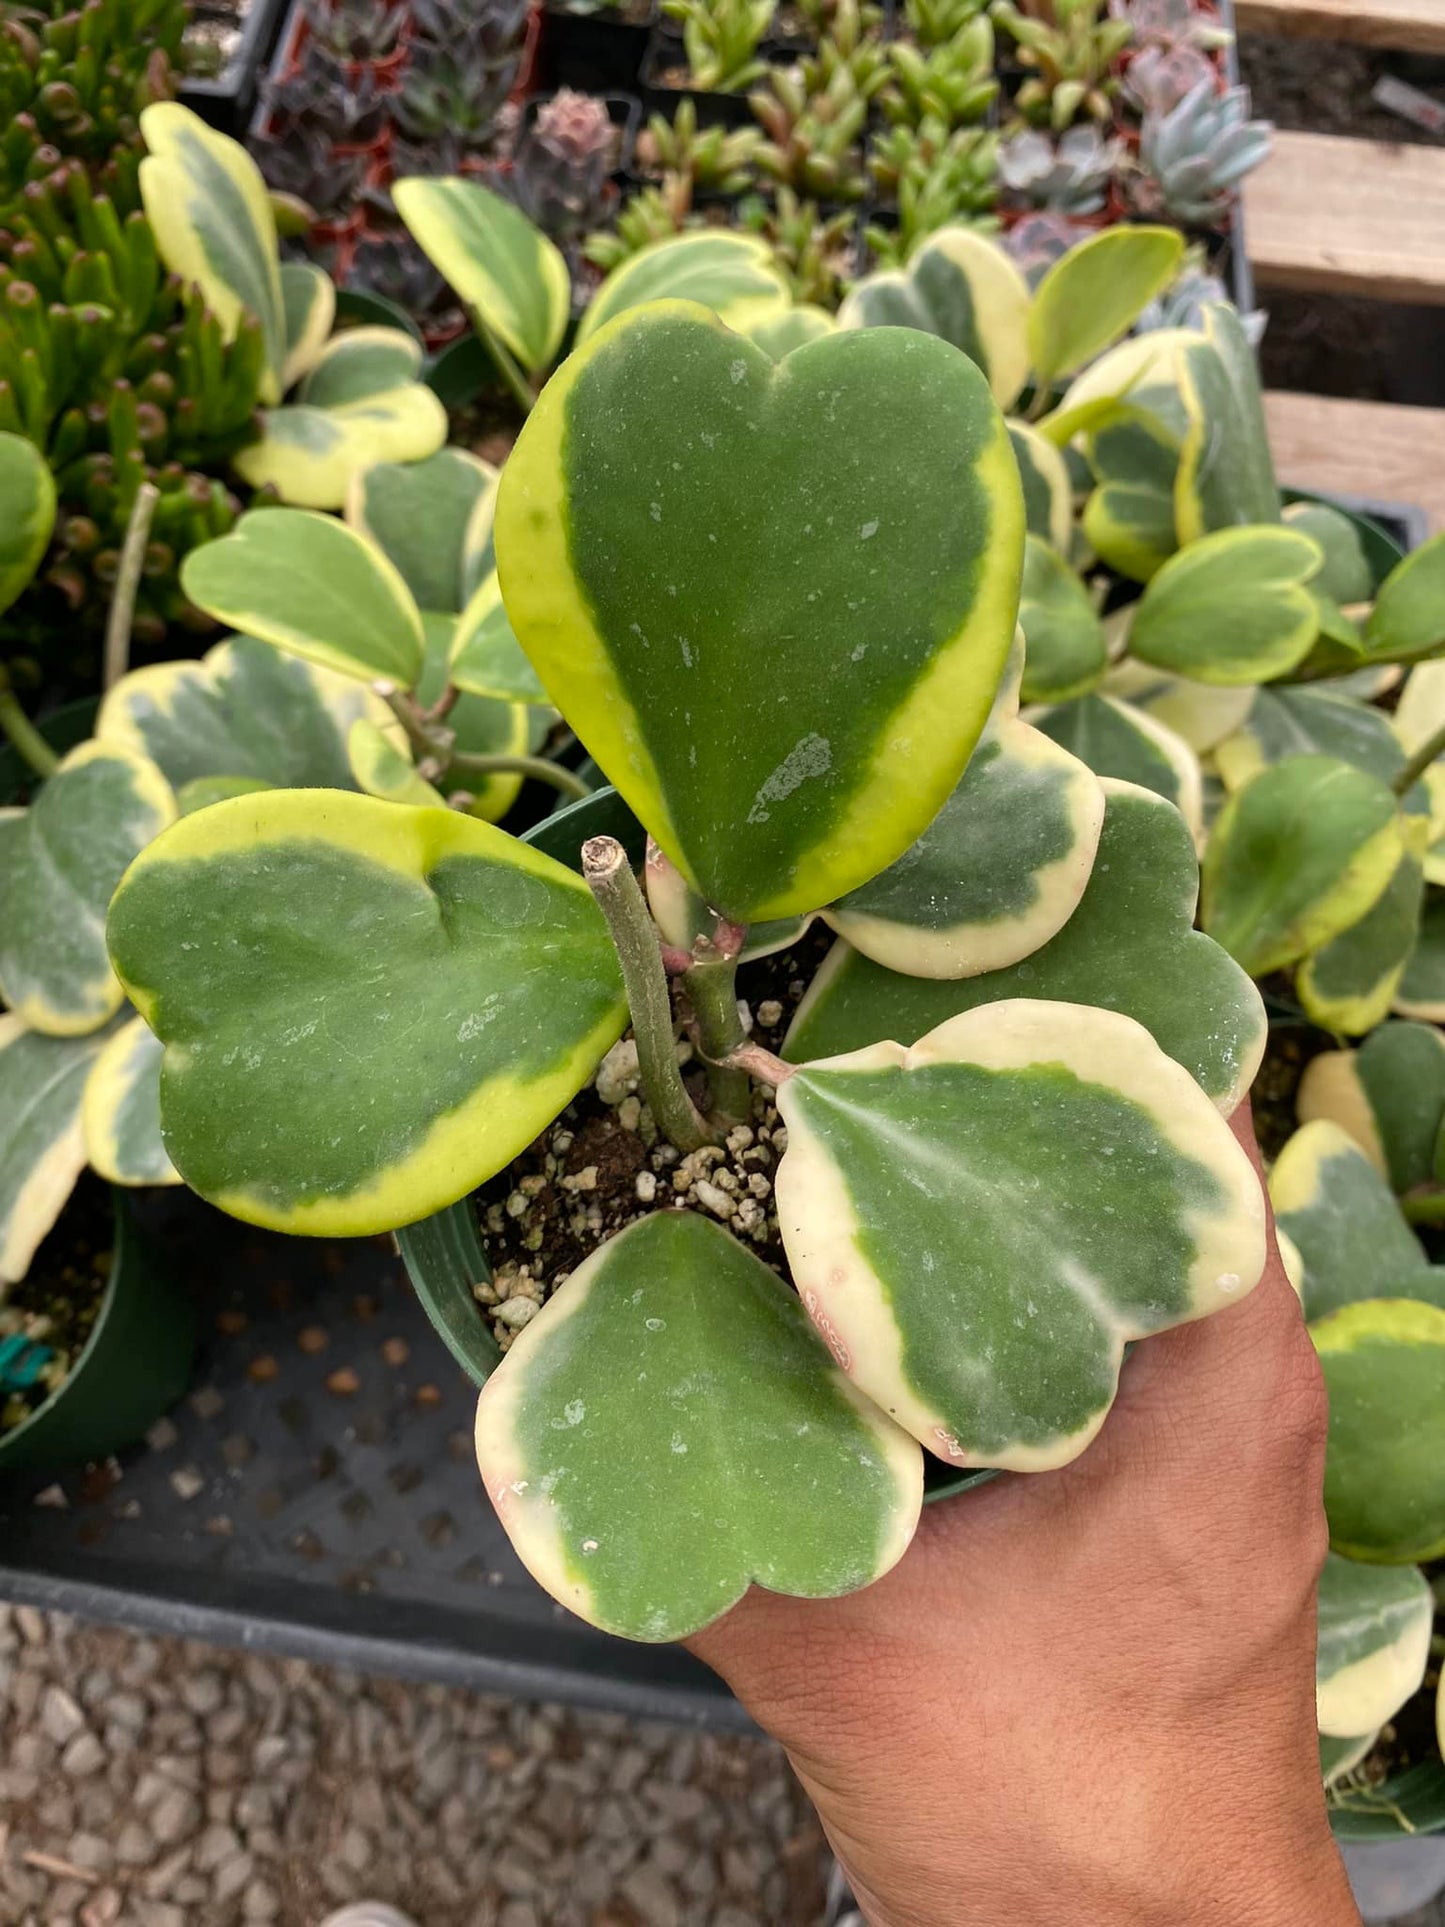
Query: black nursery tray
x: 315, y: 1494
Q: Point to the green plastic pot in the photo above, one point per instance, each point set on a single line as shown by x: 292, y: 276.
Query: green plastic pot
x: 136, y: 1363
x: 137, y: 1360
x: 443, y: 1254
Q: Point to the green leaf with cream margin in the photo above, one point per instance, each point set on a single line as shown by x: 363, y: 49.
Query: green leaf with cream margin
x: 308, y: 304
x: 734, y: 275
x: 1094, y: 293
x: 1339, y: 1211
x: 1203, y: 714
x: 244, y: 710
x: 59, y: 862
x: 311, y: 586
x: 380, y: 768
x: 782, y: 734
x: 670, y: 1430
x: 1232, y: 607
x: 1384, y: 1367
x: 962, y: 288
x: 27, y: 514
x: 419, y: 515
x: 1310, y: 719
x: 368, y: 1009
x: 1421, y: 990
x: 1408, y: 617
x: 42, y: 1147
x: 1374, y: 1643
x: 506, y: 272
x: 1131, y: 746
x: 1000, y: 869
x: 1048, y: 491
x: 1226, y: 473
x: 981, y: 1223
x: 210, y: 212
x: 1066, y: 652
x: 1297, y: 856
x: 1348, y: 985
x: 1389, y: 1095
x: 485, y: 656
x: 360, y: 403
x: 779, y: 334
x: 121, y: 1109
x: 1189, y: 994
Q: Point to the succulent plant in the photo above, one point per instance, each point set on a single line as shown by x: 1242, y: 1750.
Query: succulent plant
x: 823, y: 15
x: 957, y: 166
x: 560, y: 170
x: 1070, y: 175
x: 391, y: 264
x: 451, y: 99
x: 307, y: 166
x: 1071, y: 48
x: 934, y: 23
x: 656, y: 214
x: 813, y: 138
x: 814, y: 254
x: 1038, y: 240
x: 954, y: 82
x: 73, y: 83
x: 357, y: 30
x: 721, y: 38
x: 850, y: 47
x: 1194, y: 155
x: 320, y: 103
x: 1183, y: 303
x: 491, y: 30
x: 715, y: 160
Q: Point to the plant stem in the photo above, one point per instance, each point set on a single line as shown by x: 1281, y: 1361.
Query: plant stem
x: 619, y: 898
x: 712, y: 990
x: 1417, y: 765
x: 505, y: 764
x: 121, y: 619
x: 1424, y: 1207
x: 517, y: 383
x: 25, y: 738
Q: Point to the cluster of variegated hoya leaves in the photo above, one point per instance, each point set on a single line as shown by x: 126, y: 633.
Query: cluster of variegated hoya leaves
x: 777, y: 601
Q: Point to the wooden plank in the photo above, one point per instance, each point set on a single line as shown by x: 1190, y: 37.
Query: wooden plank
x: 1348, y: 216
x: 1412, y: 26
x: 1379, y: 449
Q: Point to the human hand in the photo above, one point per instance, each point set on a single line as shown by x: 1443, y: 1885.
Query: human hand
x: 1087, y: 1696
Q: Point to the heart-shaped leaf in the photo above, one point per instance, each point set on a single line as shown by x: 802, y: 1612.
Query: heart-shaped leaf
x: 962, y: 288
x: 1408, y: 618
x: 1312, y: 719
x: 1066, y: 653
x: 1374, y: 1643
x: 1297, y: 856
x: 1336, y: 1206
x: 1203, y: 714
x: 1339, y: 1758
x: 359, y: 364
x: 773, y: 599
x: 1421, y: 992
x: 1140, y: 376
x: 244, y: 710
x: 735, y: 275
x: 210, y: 213
x: 311, y: 456
x: 1389, y: 1095
x: 1421, y: 708
x: 670, y: 1430
x: 1128, y: 519
x: 1232, y: 607
x: 1092, y: 294
x: 998, y: 871
x: 60, y: 860
x: 312, y: 586
x: 481, y: 724
x: 1384, y: 1366
x: 943, y: 1236
x: 308, y: 306
x: 485, y: 657
x: 1125, y: 743
x: 367, y: 1008
x: 1193, y: 999
x: 1048, y: 492
x: 1226, y: 474
x: 1348, y: 985
x: 419, y: 514
x: 121, y: 1109
x: 42, y: 1148
x: 505, y: 270
x: 27, y: 514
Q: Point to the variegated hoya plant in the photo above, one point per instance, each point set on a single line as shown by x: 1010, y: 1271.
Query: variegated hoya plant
x: 777, y: 601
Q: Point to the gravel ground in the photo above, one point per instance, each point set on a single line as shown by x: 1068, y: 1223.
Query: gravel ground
x: 157, y: 1783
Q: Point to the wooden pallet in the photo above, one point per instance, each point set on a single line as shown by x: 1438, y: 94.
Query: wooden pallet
x: 1411, y: 26
x: 1376, y: 449
x: 1349, y: 217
